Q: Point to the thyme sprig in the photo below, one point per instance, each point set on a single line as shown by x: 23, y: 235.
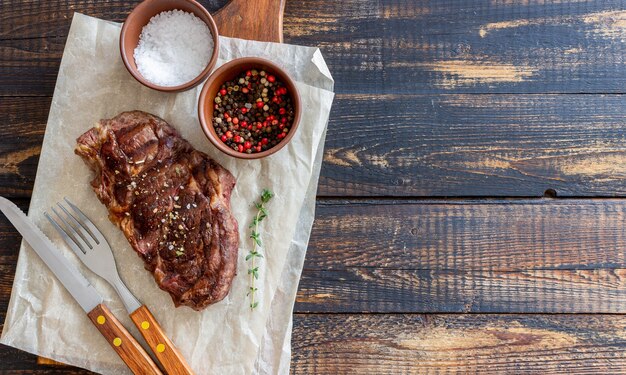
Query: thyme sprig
x: 253, y: 271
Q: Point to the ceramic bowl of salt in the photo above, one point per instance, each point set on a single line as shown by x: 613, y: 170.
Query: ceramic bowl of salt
x: 169, y: 45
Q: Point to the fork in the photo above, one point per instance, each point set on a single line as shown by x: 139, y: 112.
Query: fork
x: 92, y: 248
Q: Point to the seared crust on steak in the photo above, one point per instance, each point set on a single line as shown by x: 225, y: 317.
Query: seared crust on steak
x: 171, y: 201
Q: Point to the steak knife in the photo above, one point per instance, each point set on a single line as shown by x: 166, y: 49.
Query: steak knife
x: 125, y: 345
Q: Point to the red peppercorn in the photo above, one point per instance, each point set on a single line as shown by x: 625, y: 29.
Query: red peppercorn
x: 253, y: 128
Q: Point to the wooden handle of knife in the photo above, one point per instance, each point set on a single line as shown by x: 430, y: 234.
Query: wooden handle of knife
x: 135, y: 357
x: 173, y: 362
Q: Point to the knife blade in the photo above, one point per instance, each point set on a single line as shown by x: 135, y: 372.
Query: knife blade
x: 75, y: 283
x: 83, y: 292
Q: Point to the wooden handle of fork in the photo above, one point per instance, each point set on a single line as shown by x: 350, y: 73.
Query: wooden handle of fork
x: 135, y: 357
x: 173, y: 362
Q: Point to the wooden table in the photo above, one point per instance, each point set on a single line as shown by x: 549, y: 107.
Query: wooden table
x: 470, y: 212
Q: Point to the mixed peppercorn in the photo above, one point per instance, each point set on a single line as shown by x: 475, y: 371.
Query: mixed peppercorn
x: 253, y: 112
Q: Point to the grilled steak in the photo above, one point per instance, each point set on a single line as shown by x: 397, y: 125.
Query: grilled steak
x: 171, y: 201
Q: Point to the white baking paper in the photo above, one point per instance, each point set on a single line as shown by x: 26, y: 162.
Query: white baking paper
x: 227, y: 337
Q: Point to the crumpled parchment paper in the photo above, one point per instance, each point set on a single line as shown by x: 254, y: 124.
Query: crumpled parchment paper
x: 227, y: 337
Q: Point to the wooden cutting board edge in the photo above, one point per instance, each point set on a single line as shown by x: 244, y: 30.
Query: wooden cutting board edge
x: 256, y: 20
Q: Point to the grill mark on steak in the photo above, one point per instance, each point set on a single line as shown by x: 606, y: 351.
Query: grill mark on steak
x: 166, y: 196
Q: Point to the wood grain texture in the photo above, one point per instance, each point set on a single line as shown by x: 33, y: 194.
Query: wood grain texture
x: 22, y: 126
x: 440, y: 145
x: 256, y: 20
x: 24, y: 19
x: 400, y: 46
x: 357, y: 290
x: 14, y: 361
x: 467, y: 344
x: 163, y: 348
x: 390, y: 47
x: 124, y: 344
x: 475, y: 145
x: 464, y: 235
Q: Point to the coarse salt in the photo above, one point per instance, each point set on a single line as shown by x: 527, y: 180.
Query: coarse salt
x: 174, y: 48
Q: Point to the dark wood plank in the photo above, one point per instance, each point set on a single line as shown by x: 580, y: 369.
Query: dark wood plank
x: 14, y: 361
x: 444, y: 344
x: 420, y: 145
x: 356, y: 290
x: 505, y: 256
x: 30, y: 66
x: 35, y: 19
x: 22, y: 126
x: 475, y: 145
x: 463, y: 235
x: 396, y: 46
x: 402, y: 46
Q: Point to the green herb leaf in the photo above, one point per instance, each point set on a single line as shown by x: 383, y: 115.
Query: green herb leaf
x: 266, y: 195
x: 255, y: 235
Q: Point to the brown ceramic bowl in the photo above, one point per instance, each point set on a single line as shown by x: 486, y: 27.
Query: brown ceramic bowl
x: 140, y: 16
x: 228, y: 72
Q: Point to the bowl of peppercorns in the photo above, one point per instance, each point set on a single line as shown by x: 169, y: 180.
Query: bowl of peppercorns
x: 249, y: 108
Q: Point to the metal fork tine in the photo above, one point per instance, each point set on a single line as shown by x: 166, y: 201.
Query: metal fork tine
x: 78, y: 227
x: 87, y: 224
x: 72, y: 232
x: 66, y: 237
